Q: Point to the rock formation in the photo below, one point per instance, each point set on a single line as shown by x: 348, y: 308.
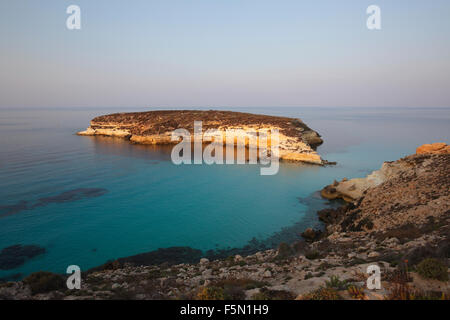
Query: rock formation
x: 297, y: 140
x: 410, y: 193
x: 353, y: 189
x: 434, y: 148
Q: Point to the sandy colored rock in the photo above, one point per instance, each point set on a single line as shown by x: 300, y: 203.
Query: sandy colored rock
x: 297, y: 140
x: 434, y: 148
x: 350, y: 190
x: 403, y: 194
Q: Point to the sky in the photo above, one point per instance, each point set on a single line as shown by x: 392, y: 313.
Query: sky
x: 224, y: 53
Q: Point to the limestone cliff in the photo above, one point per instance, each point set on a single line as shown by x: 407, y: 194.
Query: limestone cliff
x: 297, y: 140
x: 409, y: 191
x: 353, y: 189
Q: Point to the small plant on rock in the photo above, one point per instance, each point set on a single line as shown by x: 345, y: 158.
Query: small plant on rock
x: 312, y: 255
x: 356, y: 293
x: 267, y: 294
x: 284, y: 251
x: 211, y: 293
x: 43, y: 282
x: 336, y: 283
x: 431, y: 268
x: 323, y: 294
x: 400, y: 291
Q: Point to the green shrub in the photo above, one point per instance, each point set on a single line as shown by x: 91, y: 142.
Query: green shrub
x: 312, y: 255
x: 267, y: 294
x: 309, y: 275
x: 322, y: 294
x: 336, y: 283
x: 356, y: 293
x: 260, y: 296
x: 299, y: 247
x: 284, y: 251
x: 324, y: 266
x: 431, y: 268
x: 319, y: 274
x: 42, y: 282
x: 234, y: 289
x: 233, y: 293
x: 211, y: 293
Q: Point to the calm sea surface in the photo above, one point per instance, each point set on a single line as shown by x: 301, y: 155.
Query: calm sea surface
x: 87, y: 200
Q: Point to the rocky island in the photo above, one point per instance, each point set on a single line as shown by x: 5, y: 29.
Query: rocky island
x: 297, y: 142
x: 400, y: 222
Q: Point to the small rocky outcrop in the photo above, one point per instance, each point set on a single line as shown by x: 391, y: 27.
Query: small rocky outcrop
x: 434, y: 148
x: 350, y: 190
x: 408, y: 192
x: 297, y: 140
x: 311, y: 234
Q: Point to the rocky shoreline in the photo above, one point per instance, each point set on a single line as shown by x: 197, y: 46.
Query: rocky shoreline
x: 297, y: 142
x: 400, y: 224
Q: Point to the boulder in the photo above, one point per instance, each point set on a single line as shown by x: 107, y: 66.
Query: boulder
x: 311, y: 234
x: 434, y: 148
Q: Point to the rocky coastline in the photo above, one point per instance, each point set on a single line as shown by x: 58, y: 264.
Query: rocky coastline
x: 297, y: 142
x: 400, y: 222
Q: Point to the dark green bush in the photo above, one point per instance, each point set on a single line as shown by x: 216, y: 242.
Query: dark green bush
x: 234, y: 289
x: 43, y: 281
x: 284, y: 251
x: 309, y: 275
x: 299, y: 247
x: 211, y: 293
x: 336, y: 283
x: 312, y: 255
x: 431, y: 268
x: 267, y: 294
x: 322, y: 294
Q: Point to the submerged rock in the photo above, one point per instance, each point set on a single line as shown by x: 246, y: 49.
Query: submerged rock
x: 173, y: 255
x: 14, y: 256
x: 13, y: 209
x: 72, y: 195
x: 67, y: 196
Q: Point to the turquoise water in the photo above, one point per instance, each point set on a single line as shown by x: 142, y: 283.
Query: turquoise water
x: 148, y: 203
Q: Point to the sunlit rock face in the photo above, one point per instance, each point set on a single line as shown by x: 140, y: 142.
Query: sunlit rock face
x: 353, y: 189
x: 434, y: 148
x: 296, y: 140
x: 409, y: 191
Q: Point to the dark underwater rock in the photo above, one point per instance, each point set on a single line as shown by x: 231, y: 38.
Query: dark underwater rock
x: 172, y: 255
x: 14, y: 256
x: 13, y: 209
x: 72, y: 195
x: 67, y: 196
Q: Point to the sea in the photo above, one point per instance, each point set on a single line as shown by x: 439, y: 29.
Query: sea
x: 88, y: 200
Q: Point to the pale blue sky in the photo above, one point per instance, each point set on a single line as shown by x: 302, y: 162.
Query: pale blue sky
x: 188, y: 53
